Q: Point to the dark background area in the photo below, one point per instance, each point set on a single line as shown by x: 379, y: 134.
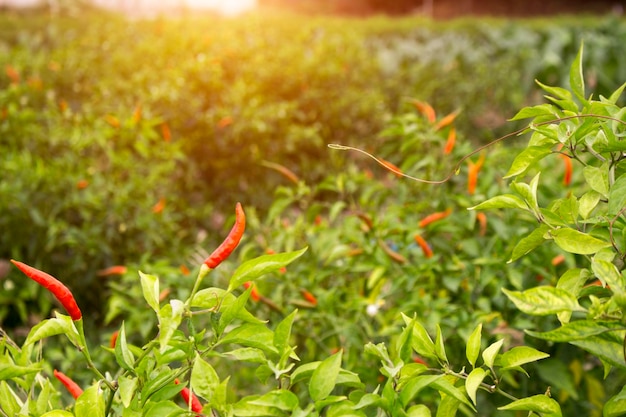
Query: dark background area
x: 444, y: 9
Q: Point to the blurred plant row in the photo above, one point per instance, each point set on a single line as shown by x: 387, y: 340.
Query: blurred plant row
x: 122, y: 142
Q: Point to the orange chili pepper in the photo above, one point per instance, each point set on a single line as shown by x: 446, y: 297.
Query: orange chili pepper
x: 159, y: 206
x: 184, y: 270
x: 112, y: 270
x: 428, y: 252
x: 56, y: 288
x: 450, y: 142
x: 225, y: 121
x: 446, y: 120
x: 12, y: 73
x: 112, y: 120
x: 558, y: 259
x: 137, y: 114
x: 113, y: 340
x: 63, y: 106
x: 229, y: 244
x: 166, y: 132
x: 482, y: 220
x: 472, y: 175
x: 426, y: 109
x: 82, y: 184
x: 431, y: 218
x: 567, y: 162
x: 71, y: 386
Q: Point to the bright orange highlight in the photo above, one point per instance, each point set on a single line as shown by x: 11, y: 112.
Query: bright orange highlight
x: 82, y: 184
x: 159, y: 206
x: 309, y: 297
x: 224, y: 122
x: 112, y: 120
x: 137, y: 114
x: 567, y: 162
x: 165, y: 132
x: 446, y: 120
x: 112, y: 270
x: 426, y: 109
x: 482, y: 221
x: 558, y: 259
x: 13, y: 74
x: 254, y: 294
x: 472, y: 174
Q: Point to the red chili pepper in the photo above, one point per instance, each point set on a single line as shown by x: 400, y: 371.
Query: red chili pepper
x: 112, y: 270
x: 450, y: 142
x: 56, y: 288
x: 558, y: 259
x: 428, y: 252
x: 254, y: 294
x: 309, y: 297
x: 71, y: 386
x: 431, y: 218
x: 166, y: 132
x: 190, y: 399
x: 229, y: 244
x: 113, y: 340
x: 391, y: 167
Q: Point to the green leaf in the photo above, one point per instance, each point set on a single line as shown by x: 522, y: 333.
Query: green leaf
x: 255, y: 268
x: 90, y: 403
x: 204, y: 379
x: 419, y: 410
x: 573, y: 241
x: 248, y: 354
x: 421, y: 341
x: 282, y: 399
x: 415, y: 385
x: 324, y: 377
x: 616, y: 405
x: 528, y: 112
x: 597, y: 178
x: 150, y: 289
x: 556, y: 92
x: 576, y: 80
x: 123, y: 355
x: 609, y: 347
x: 526, y: 158
x: 472, y: 349
x: 538, y: 403
x: 606, y: 272
x: 616, y: 94
x: 576, y: 330
x: 57, y: 413
x: 473, y: 381
x: 529, y: 243
x: 617, y: 196
x: 489, y: 354
x: 440, y: 348
x: 443, y: 385
x: 283, y: 332
x: 170, y: 317
x: 541, y: 301
x: 232, y: 311
x: 10, y: 371
x: 251, y: 335
x: 520, y: 355
x: 501, y: 201
x: 587, y: 203
x: 51, y: 327
x: 127, y: 388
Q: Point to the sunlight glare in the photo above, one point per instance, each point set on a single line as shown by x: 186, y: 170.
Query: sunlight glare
x: 226, y: 7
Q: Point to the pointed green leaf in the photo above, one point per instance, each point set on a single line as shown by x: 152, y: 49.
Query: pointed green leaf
x: 255, y: 268
x: 520, y: 355
x: 443, y: 385
x: 609, y: 347
x: 127, y: 388
x: 473, y: 345
x: 204, y: 379
x: 232, y: 310
x: 529, y: 243
x: 501, y: 201
x: 282, y: 333
x: 282, y: 399
x: 541, y: 301
x: 526, y: 158
x: 576, y: 80
x: 10, y: 371
x: 324, y: 377
x: 473, y: 381
x: 576, y: 330
x: 607, y: 273
x: 51, y: 327
x: 617, y: 196
x: 404, y: 346
x: 421, y: 341
x: 528, y: 112
x: 489, y: 354
x: 573, y: 241
x: 616, y: 94
x: 440, y: 348
x: 123, y: 355
x: 251, y: 335
x: 556, y: 92
x: 616, y: 405
x: 419, y: 410
x: 58, y: 413
x: 538, y: 403
x: 150, y: 288
x: 597, y: 178
x: 587, y: 203
x: 415, y: 385
x: 90, y: 403
x: 170, y: 317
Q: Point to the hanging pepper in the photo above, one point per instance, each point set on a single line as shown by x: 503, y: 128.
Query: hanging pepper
x: 229, y: 244
x: 431, y: 218
x: 428, y: 252
x: 190, y: 398
x: 71, y: 386
x: 450, y: 142
x: 56, y: 288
